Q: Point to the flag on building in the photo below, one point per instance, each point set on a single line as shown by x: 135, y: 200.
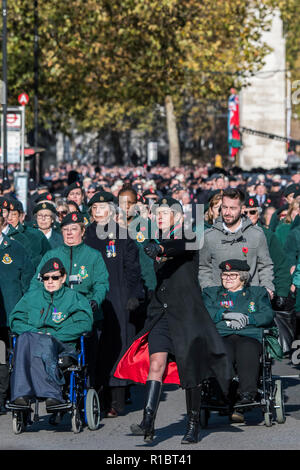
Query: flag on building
x: 234, y: 137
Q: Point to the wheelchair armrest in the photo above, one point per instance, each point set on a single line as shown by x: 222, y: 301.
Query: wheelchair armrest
x: 87, y: 334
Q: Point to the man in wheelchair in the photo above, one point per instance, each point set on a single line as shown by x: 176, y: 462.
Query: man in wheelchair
x: 48, y: 323
x: 240, y: 312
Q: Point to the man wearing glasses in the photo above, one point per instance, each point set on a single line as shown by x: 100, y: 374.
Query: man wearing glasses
x: 233, y: 236
x: 282, y: 276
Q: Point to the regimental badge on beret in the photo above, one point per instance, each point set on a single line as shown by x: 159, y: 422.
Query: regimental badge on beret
x: 164, y: 201
x: 227, y: 266
x: 5, y: 203
x: 251, y: 202
x: 74, y: 217
x: 11, y: 206
x: 55, y: 265
x: 44, y: 205
x: 101, y: 198
x: 78, y: 184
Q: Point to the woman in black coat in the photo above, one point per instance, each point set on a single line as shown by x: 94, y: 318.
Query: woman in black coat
x: 122, y: 262
x: 178, y: 327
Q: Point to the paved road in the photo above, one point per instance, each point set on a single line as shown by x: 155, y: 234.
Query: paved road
x: 114, y: 434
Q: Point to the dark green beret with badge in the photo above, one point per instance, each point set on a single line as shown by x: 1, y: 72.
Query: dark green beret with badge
x: 75, y: 185
x: 234, y: 265
x: 169, y: 201
x: 72, y: 218
x: 45, y: 205
x: 53, y: 264
x: 15, y: 205
x: 44, y: 197
x: 101, y: 196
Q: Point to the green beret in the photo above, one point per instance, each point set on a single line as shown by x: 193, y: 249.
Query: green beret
x: 72, y: 186
x: 44, y: 197
x: 169, y: 201
x: 53, y: 264
x: 234, y: 265
x: 44, y: 205
x: 72, y: 218
x: 4, y: 202
x: 101, y: 196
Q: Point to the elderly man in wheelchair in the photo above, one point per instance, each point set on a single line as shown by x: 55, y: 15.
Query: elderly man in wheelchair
x: 48, y: 321
x: 241, y: 314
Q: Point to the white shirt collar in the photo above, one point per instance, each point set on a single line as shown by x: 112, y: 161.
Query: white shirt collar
x: 236, y: 230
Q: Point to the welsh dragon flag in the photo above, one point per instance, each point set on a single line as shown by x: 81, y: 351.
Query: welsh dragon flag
x: 234, y: 138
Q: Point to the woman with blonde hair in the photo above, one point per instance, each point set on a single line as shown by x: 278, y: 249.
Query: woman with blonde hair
x: 214, y: 208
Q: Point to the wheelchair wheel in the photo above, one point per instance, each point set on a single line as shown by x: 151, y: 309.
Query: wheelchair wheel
x: 204, y: 417
x: 279, y: 403
x: 92, y: 409
x: 19, y: 421
x: 76, y: 421
x: 268, y: 416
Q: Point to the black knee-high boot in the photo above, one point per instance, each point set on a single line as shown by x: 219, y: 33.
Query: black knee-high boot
x: 193, y: 403
x: 153, y: 391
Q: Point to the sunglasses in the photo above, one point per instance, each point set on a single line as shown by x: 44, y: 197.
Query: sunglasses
x: 54, y: 278
x: 252, y: 212
x: 62, y: 213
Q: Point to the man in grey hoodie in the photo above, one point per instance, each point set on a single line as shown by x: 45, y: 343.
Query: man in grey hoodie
x: 233, y: 236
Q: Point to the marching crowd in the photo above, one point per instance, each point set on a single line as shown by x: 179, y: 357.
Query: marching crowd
x: 175, y: 272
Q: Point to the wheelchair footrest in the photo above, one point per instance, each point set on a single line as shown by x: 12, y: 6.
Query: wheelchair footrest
x: 248, y: 405
x: 13, y: 407
x: 61, y: 407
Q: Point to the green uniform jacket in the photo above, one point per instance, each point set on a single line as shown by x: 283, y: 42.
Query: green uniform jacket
x: 65, y: 314
x: 16, y: 271
x: 38, y: 242
x: 14, y: 234
x: 252, y: 301
x: 88, y: 264
x: 292, y: 243
x: 282, y: 276
x: 141, y: 233
x: 282, y: 231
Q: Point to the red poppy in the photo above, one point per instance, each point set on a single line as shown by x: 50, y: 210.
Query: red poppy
x: 245, y: 250
x: 55, y: 265
x: 74, y: 217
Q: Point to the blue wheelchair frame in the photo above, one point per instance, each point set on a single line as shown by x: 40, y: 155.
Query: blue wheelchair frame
x: 77, y: 391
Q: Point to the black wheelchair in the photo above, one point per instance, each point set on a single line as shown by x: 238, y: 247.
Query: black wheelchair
x: 269, y: 397
x: 81, y: 402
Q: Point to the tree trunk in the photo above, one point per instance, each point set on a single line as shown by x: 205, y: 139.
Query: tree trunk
x: 117, y: 148
x: 174, y: 149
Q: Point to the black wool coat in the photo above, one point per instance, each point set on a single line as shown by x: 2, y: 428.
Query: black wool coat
x: 122, y: 263
x: 198, y: 347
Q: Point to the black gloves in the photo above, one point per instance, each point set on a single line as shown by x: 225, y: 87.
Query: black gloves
x: 132, y: 304
x: 153, y: 249
x: 284, y: 304
x: 94, y: 305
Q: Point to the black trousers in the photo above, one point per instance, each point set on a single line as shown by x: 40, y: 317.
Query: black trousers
x: 244, y: 353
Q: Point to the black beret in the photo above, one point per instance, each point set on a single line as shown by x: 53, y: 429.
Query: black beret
x: 72, y: 218
x: 72, y: 186
x: 101, y: 196
x: 251, y: 201
x: 150, y: 192
x: 234, y: 265
x: 4, y: 202
x: 53, y: 264
x: 44, y: 197
x: 292, y: 188
x: 15, y: 205
x: 44, y: 205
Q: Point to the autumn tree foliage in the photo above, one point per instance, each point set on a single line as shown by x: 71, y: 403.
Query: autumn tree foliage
x: 106, y: 63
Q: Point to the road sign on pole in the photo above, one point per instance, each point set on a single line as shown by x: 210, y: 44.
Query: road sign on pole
x: 23, y: 99
x: 15, y: 124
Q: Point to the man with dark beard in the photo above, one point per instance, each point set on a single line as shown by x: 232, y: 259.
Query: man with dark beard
x: 233, y: 236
